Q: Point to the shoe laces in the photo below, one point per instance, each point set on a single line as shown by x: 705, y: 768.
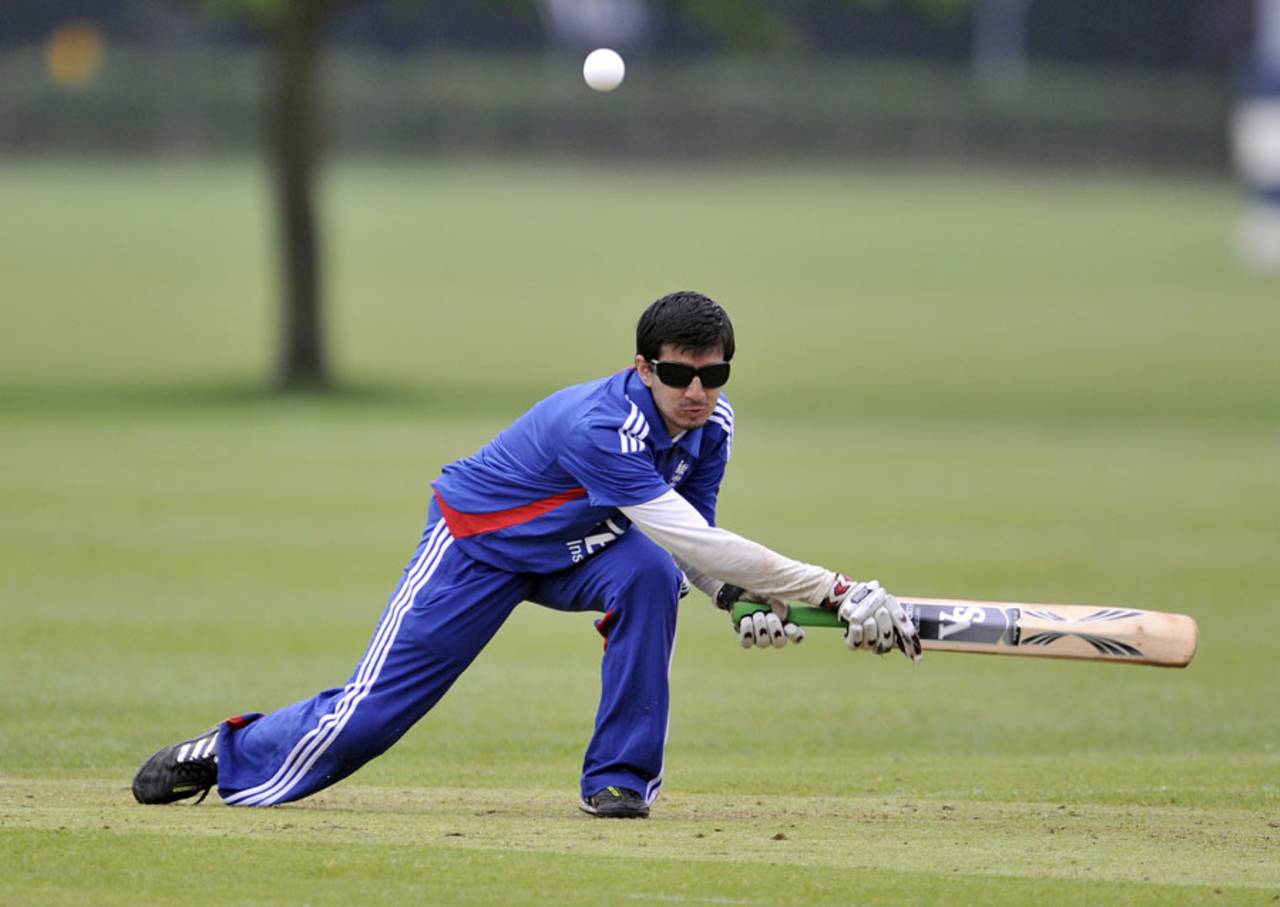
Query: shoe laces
x: 197, y: 770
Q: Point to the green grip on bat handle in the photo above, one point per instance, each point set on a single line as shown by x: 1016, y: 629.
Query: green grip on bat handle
x: 802, y: 615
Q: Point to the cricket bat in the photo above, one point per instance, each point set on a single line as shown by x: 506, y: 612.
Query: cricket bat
x: 1088, y: 632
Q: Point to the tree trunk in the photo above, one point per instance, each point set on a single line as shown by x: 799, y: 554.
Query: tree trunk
x: 291, y: 137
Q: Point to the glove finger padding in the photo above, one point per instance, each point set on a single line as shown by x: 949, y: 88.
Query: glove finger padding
x: 777, y: 636
x: 760, y: 629
x: 884, y: 631
x: 766, y: 629
x: 870, y: 633
x: 906, y: 633
x: 861, y: 634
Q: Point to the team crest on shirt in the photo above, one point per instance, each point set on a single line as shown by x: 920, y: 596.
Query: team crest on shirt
x: 681, y: 468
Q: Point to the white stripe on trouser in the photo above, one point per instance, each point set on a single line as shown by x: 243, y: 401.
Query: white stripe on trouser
x: 313, y: 745
x: 651, y: 789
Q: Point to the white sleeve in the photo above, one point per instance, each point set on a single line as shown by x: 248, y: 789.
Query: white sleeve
x: 674, y: 524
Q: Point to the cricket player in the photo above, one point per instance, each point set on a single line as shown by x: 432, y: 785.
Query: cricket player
x: 600, y: 498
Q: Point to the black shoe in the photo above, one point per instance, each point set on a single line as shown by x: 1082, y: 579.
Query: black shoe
x: 179, y: 771
x: 615, y: 803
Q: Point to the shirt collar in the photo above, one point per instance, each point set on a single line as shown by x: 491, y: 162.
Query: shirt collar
x: 659, y: 437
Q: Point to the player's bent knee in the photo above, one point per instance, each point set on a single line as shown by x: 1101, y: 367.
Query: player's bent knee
x: 651, y: 571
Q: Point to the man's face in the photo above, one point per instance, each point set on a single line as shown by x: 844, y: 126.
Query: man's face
x: 682, y: 408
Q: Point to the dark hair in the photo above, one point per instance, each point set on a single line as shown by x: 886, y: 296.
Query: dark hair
x: 688, y: 321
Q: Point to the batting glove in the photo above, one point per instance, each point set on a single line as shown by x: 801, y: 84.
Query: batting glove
x: 763, y: 629
x: 875, y: 620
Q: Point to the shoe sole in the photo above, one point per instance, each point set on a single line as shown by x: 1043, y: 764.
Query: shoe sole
x: 621, y: 814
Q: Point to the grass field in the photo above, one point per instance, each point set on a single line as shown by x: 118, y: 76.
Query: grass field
x: 992, y: 386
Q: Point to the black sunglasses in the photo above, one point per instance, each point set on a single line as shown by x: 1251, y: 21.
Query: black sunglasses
x: 677, y: 374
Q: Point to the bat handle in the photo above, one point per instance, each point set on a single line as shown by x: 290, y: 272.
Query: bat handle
x: 803, y: 615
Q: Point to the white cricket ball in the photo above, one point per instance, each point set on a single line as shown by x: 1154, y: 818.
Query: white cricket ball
x: 603, y: 69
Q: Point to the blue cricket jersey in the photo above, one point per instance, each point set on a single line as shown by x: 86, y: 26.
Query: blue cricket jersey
x: 544, y: 494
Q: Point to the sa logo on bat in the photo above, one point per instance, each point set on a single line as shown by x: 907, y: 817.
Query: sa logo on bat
x: 968, y: 623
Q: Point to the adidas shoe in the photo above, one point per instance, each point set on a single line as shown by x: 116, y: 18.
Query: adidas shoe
x: 615, y: 803
x: 179, y: 771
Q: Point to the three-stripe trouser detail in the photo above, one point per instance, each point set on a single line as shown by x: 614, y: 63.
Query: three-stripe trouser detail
x: 415, y: 655
x: 445, y: 610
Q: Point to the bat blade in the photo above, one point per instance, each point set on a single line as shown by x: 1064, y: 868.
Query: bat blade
x: 1086, y: 632
x: 1126, y: 635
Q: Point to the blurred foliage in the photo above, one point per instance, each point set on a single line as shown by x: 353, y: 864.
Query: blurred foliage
x: 266, y: 12
x: 772, y: 25
x: 759, y: 24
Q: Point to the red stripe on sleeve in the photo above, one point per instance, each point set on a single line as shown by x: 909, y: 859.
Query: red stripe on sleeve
x: 462, y: 525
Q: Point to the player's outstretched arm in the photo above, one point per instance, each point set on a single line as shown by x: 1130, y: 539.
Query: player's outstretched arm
x: 675, y: 525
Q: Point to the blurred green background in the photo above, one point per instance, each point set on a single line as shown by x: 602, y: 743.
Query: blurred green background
x: 1022, y: 382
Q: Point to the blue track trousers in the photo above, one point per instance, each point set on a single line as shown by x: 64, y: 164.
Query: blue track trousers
x: 445, y: 610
